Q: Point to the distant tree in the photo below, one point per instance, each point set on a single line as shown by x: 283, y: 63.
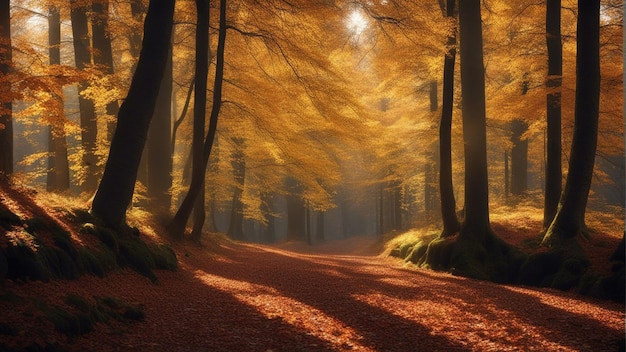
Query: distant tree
x: 6, y: 114
x: 116, y: 188
x: 569, y: 221
x: 235, y: 227
x: 553, y: 111
x: 451, y: 224
x: 58, y: 178
x: 88, y: 122
x: 519, y: 153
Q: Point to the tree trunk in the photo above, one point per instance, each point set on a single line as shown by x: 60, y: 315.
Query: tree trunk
x: 6, y: 114
x: 235, y: 228
x: 474, y: 121
x: 569, y: 221
x: 553, y: 111
x: 519, y: 158
x: 158, y: 153
x: 58, y: 178
x: 295, y: 218
x: 115, y: 191
x: 431, y: 161
x: 451, y: 224
x: 88, y: 122
x: 104, y: 52
x: 177, y: 225
x: 319, y: 227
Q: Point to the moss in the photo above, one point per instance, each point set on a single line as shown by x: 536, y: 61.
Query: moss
x: 136, y: 254
x: 78, y: 302
x: 23, y: 263
x: 438, y: 254
x: 416, y: 254
x: 539, y: 269
x: 8, y: 219
x: 68, y: 323
x: 405, y: 249
x: 164, y: 257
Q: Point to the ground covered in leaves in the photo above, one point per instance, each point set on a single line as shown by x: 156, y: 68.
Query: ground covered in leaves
x: 238, y: 297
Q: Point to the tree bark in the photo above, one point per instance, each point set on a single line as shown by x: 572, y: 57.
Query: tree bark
x: 569, y: 221
x: 116, y: 188
x: 554, y: 171
x: 235, y: 228
x: 58, y: 178
x: 6, y: 109
x: 474, y: 121
x: 177, y: 225
x: 104, y: 52
x: 451, y: 224
x: 158, y: 153
x: 519, y: 158
x: 88, y: 122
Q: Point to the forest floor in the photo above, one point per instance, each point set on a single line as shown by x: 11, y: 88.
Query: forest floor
x: 292, y: 297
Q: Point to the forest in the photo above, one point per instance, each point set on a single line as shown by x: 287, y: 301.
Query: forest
x: 314, y: 175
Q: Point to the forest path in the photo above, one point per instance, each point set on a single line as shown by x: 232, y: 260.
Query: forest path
x: 265, y: 298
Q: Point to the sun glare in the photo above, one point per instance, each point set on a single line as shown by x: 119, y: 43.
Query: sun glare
x: 356, y: 23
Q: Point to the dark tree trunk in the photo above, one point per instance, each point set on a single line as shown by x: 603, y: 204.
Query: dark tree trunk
x: 104, y: 52
x: 381, y: 209
x: 553, y: 111
x: 268, y: 230
x: 319, y: 226
x: 396, y: 209
x: 451, y: 224
x: 88, y: 123
x: 519, y: 158
x: 569, y: 221
x: 158, y: 153
x: 58, y: 178
x: 474, y: 121
x: 295, y: 219
x: 198, y: 168
x: 177, y: 225
x: 118, y: 181
x: 235, y: 228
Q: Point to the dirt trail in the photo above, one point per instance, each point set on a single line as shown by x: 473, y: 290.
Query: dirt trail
x: 263, y: 298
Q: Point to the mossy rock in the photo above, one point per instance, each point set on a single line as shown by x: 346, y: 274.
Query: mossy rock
x: 136, y: 254
x: 23, y: 263
x: 405, y: 249
x: 539, y: 269
x: 69, y: 323
x: 164, y: 257
x: 609, y: 287
x: 59, y: 263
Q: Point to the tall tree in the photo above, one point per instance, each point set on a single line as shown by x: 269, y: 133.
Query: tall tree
x: 58, y: 178
x: 6, y: 114
x: 103, y: 51
x: 177, y: 226
x: 476, y: 222
x: 158, y: 153
x: 451, y: 223
x: 569, y: 220
x: 199, y: 113
x: 116, y: 188
x: 88, y: 123
x: 553, y: 111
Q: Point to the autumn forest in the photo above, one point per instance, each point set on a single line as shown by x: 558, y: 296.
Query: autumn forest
x: 199, y: 142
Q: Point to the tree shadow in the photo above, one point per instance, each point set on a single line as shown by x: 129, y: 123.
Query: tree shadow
x: 345, y: 277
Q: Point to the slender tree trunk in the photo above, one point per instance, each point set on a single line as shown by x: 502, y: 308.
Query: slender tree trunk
x: 553, y: 111
x: 6, y: 109
x: 104, y: 52
x: 88, y: 123
x: 58, y: 178
x: 319, y: 226
x: 295, y: 213
x: 476, y: 222
x: 235, y: 229
x: 569, y: 221
x: 116, y: 188
x: 159, y: 156
x: 519, y: 158
x: 431, y: 161
x: 177, y: 225
x: 451, y: 224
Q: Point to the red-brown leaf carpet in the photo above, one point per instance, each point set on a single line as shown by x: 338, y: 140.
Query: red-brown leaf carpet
x: 242, y: 297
